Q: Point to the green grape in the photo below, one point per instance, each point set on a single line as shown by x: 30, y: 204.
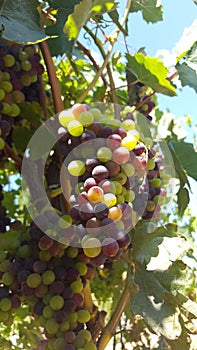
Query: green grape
x: 6, y: 109
x: 4, y: 316
x: 66, y: 117
x: 4, y: 265
x: 41, y: 321
x: 90, y: 346
x: 34, y: 280
x: 150, y: 206
x: 44, y: 255
x: 47, y: 312
x: 25, y: 79
x: 9, y: 60
x: 65, y: 221
x: 6, y: 86
x: 86, y: 118
x: 3, y: 255
x: 76, y: 168
x: 72, y: 318
x: 151, y: 164
x: 128, y: 169
x: 52, y: 327
x: 120, y: 198
x: 17, y: 96
x: 77, y: 286
x: 6, y: 76
x: 148, y: 141
x: 2, y: 94
x: 64, y: 326
x: 128, y: 124
x: 9, y: 322
x: 58, y: 343
x: 5, y: 304
x: 156, y: 183
x: 118, y: 187
x: 2, y: 143
x: 46, y: 299
x: 26, y: 65
x: 24, y: 251
x: 29, y: 50
x: 15, y: 110
x: 75, y: 128
x: 129, y: 142
x: 34, y: 78
x: 7, y: 278
x: 83, y: 316
x: 92, y: 247
x: 130, y: 196
x: 104, y: 154
x: 48, y: 277
x: 86, y: 335
x: 56, y: 302
x: 72, y: 252
x: 96, y: 114
x: 23, y: 55
x: 81, y: 267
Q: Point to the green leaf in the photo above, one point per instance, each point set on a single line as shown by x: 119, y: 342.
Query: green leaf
x: 102, y: 6
x: 191, y: 57
x: 160, y: 314
x: 60, y: 44
x: 183, y: 200
x: 77, y: 19
x: 32, y: 112
x: 142, y: 124
x: 151, y: 72
x: 150, y: 11
x: 187, y: 156
x: 21, y: 21
x: 159, y: 249
x: 187, y: 76
x: 180, y: 173
x: 183, y: 342
x: 21, y: 137
x: 115, y: 18
x: 186, y: 41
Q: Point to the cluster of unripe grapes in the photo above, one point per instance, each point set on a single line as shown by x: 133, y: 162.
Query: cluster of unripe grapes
x: 49, y: 277
x: 19, y: 70
x: 115, y: 178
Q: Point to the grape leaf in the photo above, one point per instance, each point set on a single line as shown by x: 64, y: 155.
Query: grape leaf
x: 150, y: 11
x: 60, y: 44
x: 21, y: 137
x: 142, y: 124
x: 160, y: 314
x: 183, y: 200
x: 18, y: 24
x: 159, y: 249
x: 186, y: 41
x: 151, y: 72
x: 77, y: 19
x: 191, y: 57
x: 180, y: 172
x: 187, y: 157
x: 187, y: 76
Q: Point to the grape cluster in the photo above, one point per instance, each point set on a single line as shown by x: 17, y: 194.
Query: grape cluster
x: 20, y: 68
x: 48, y: 277
x: 115, y: 178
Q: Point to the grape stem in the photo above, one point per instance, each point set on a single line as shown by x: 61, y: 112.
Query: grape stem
x: 56, y: 92
x: 109, y: 330
x: 112, y: 40
x: 10, y: 154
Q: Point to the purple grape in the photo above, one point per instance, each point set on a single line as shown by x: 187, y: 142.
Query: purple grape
x: 100, y: 172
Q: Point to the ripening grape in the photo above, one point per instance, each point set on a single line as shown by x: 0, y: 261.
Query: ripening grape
x: 121, y: 155
x: 92, y: 247
x: 100, y: 172
x: 110, y: 247
x: 115, y: 213
x: 95, y: 194
x: 77, y: 109
x: 113, y: 141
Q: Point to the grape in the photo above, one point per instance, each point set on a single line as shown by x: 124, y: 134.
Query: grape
x: 77, y: 109
x: 86, y: 335
x: 60, y: 316
x: 69, y: 304
x: 78, y: 299
x: 48, y: 277
x: 9, y: 60
x: 95, y: 194
x: 41, y: 290
x: 77, y: 286
x: 151, y: 164
x: 6, y: 108
x: 89, y: 346
x: 96, y: 114
x: 76, y: 168
x: 156, y: 183
x: 3, y: 316
x: 120, y: 178
x: 110, y: 247
x: 128, y: 168
x: 123, y: 238
x: 68, y: 347
x: 56, y: 302
x: 2, y: 94
x: 112, y: 167
x: 2, y: 143
x: 129, y: 142
x: 91, y: 164
x: 93, y: 226
x: 5, y: 304
x: 121, y: 155
x: 101, y: 210
x: 150, y: 206
x: 115, y: 213
x: 86, y: 118
x: 65, y: 117
x: 113, y: 141
x: 105, y: 132
x: 83, y: 316
x: 75, y: 128
x: 100, y: 172
x: 104, y: 154
x: 128, y: 124
x: 95, y: 127
x: 92, y: 247
x: 87, y: 136
x: 45, y: 242
x: 52, y: 326
x: 110, y: 199
x: 33, y: 280
x: 90, y: 182
x: 57, y: 287
x: 26, y: 65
